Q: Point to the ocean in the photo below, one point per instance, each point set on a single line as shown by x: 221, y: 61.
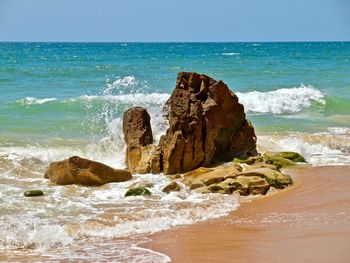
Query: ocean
x: 64, y: 99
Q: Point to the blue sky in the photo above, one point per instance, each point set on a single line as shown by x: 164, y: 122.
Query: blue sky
x: 174, y: 20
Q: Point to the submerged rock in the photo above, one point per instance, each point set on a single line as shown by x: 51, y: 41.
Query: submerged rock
x: 171, y: 187
x: 143, y: 191
x: 77, y: 170
x: 31, y: 193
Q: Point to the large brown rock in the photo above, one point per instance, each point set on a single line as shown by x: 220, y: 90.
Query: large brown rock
x: 207, y: 125
x: 138, y: 137
x: 76, y: 170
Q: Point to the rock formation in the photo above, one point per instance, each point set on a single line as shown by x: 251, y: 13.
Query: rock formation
x: 207, y: 126
x: 138, y: 137
x: 76, y: 170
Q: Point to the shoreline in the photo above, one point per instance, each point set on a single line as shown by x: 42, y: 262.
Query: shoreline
x: 309, y: 221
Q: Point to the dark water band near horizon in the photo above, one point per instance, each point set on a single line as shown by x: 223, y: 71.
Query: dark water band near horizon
x: 64, y: 99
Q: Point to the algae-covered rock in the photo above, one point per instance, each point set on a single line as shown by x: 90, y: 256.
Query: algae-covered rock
x: 279, y: 162
x: 293, y: 156
x: 216, y: 188
x: 250, y: 160
x: 171, y: 187
x: 272, y: 177
x: 137, y: 191
x: 31, y: 193
x: 240, y: 185
x: 257, y: 185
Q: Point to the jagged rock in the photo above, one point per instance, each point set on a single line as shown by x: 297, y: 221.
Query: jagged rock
x: 143, y: 191
x: 171, y: 187
x: 138, y: 137
x: 76, y: 170
x: 207, y: 125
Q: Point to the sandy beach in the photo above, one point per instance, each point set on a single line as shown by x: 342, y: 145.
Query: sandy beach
x: 308, y: 223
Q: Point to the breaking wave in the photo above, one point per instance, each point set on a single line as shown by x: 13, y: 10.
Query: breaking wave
x: 281, y: 101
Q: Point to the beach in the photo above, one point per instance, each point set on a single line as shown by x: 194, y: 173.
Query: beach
x: 68, y: 99
x: 307, y: 223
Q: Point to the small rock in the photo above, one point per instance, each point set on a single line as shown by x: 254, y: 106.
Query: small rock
x: 171, y: 187
x: 143, y: 191
x: 33, y: 193
x: 293, y: 156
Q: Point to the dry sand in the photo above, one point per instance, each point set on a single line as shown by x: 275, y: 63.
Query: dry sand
x: 310, y: 223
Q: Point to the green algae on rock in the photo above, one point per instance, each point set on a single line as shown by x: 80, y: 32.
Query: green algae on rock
x: 143, y: 191
x: 31, y: 193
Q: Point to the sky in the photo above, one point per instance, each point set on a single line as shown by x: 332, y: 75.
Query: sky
x: 174, y: 20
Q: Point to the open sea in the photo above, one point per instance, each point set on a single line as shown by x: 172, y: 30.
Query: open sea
x: 64, y: 99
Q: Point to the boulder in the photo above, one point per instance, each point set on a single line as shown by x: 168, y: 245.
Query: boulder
x: 138, y: 137
x: 76, y: 170
x: 138, y: 191
x: 171, y: 187
x: 207, y: 126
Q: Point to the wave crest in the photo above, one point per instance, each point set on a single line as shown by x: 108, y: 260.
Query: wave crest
x: 34, y: 101
x: 285, y: 100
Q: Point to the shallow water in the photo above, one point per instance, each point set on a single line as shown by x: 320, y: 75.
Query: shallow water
x: 64, y: 99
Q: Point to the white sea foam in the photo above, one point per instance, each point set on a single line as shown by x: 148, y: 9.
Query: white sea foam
x: 285, y: 100
x: 135, y: 99
x: 119, y: 83
x: 231, y: 54
x: 35, y: 101
x: 315, y: 150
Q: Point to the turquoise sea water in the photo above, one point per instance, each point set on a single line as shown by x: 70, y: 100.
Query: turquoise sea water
x: 64, y: 99
x: 60, y: 89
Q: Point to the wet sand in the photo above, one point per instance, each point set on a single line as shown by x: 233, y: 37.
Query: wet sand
x: 309, y: 223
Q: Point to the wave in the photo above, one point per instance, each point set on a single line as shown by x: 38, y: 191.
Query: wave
x: 35, y: 101
x: 326, y: 148
x: 231, y: 54
x: 281, y: 101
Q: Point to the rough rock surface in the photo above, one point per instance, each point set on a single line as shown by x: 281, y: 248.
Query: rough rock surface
x: 138, y: 137
x: 228, y: 178
x: 76, y: 170
x: 207, y: 125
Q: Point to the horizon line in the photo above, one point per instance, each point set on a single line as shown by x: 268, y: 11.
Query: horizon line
x: 165, y: 42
